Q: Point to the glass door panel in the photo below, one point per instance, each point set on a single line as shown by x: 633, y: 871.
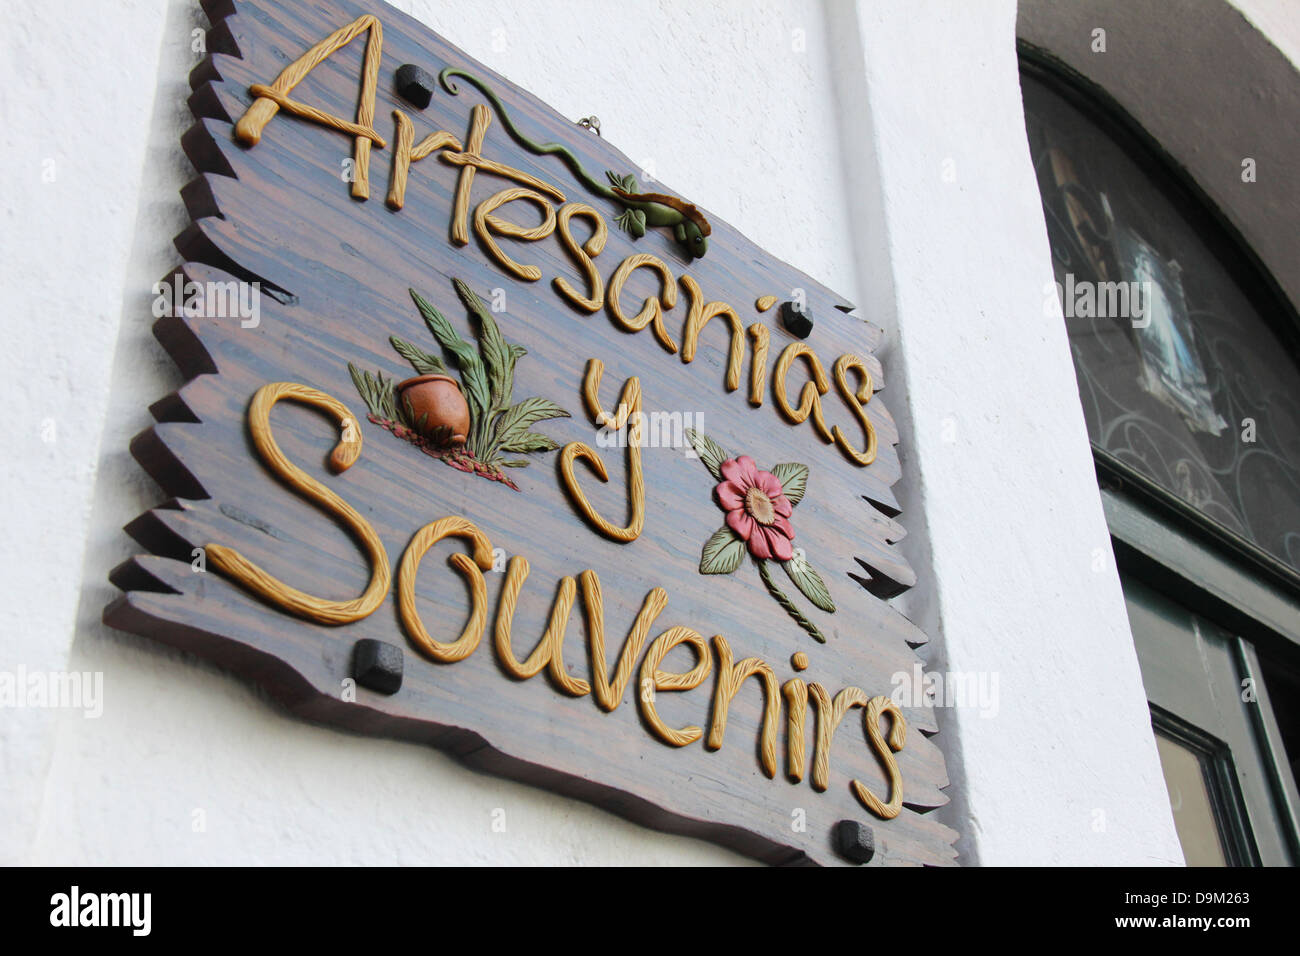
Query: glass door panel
x: 1189, y: 796
x: 1220, y: 789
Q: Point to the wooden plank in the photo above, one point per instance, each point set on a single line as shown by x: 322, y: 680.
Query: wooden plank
x: 334, y: 273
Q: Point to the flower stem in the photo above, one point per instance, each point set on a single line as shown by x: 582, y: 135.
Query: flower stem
x: 786, y: 603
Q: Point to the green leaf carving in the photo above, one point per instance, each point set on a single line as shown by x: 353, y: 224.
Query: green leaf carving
x: 807, y: 580
x: 516, y: 419
x: 626, y: 183
x: 499, y: 357
x: 377, y: 392
x: 361, y: 380
x: 487, y: 374
x: 388, y: 394
x: 529, y: 441
x: 473, y: 378
x: 710, y: 452
x: 794, y: 480
x: 423, y: 362
x: 722, y: 552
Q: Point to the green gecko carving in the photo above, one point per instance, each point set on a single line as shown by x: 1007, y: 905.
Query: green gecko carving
x: 688, y: 225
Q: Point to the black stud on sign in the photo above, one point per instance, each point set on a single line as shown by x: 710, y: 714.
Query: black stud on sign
x: 854, y: 841
x: 415, y: 85
x: 798, y: 322
x: 377, y: 665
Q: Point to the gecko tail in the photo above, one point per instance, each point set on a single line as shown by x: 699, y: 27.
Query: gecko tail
x: 445, y: 77
x: 688, y: 210
x: 621, y: 188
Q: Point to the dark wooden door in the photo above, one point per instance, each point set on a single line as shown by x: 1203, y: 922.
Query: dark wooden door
x: 1215, y: 766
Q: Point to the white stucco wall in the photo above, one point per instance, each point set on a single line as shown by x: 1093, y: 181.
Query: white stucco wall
x: 1279, y: 20
x: 773, y: 127
x: 77, y: 85
x: 998, y: 476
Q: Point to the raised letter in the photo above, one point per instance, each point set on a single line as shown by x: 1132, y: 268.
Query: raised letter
x: 652, y: 311
x: 583, y: 255
x: 728, y: 684
x: 549, y: 652
x: 654, y: 680
x: 699, y: 317
x: 270, y: 99
x: 234, y: 565
x: 472, y: 571
x: 758, y: 364
x: 876, y: 708
x: 828, y: 721
x: 629, y: 407
x: 810, y: 396
x: 480, y: 118
x: 609, y: 693
x: 795, y: 691
x: 855, y: 401
x: 404, y: 154
x: 485, y: 224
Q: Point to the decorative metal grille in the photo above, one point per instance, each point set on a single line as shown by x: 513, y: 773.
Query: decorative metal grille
x: 1181, y: 377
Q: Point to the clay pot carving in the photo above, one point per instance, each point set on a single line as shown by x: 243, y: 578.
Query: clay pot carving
x: 438, y: 408
x: 432, y: 411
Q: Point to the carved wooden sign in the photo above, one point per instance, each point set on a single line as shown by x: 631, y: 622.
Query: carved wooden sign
x: 484, y: 446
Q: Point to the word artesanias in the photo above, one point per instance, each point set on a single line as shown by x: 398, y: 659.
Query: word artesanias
x: 849, y: 374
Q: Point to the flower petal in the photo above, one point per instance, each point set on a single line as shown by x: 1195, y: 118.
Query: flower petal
x: 782, y: 506
x: 730, y: 495
x: 769, y: 483
x: 748, y: 469
x: 733, y: 471
x: 778, y: 543
x: 741, y: 523
x: 759, y: 546
x: 784, y: 526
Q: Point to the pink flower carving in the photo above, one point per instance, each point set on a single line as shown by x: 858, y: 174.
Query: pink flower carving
x: 757, y: 508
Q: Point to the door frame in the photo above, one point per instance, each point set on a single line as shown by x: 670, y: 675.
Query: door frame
x: 1172, y: 556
